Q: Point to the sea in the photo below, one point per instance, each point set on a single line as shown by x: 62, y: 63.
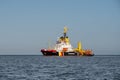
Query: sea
x: 38, y: 67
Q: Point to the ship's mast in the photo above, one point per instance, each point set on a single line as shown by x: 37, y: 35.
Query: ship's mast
x: 65, y: 32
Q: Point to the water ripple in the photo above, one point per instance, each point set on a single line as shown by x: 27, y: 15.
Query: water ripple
x: 59, y: 68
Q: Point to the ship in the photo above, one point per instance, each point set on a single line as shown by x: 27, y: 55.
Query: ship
x: 63, y: 47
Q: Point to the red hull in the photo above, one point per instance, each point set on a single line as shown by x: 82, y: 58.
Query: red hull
x: 55, y: 53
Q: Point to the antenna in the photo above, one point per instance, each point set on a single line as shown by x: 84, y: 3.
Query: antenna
x: 49, y: 44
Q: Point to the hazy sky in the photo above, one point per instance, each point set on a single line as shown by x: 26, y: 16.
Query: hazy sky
x: 26, y: 26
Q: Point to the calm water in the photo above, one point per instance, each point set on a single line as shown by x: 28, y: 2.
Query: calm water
x: 59, y: 68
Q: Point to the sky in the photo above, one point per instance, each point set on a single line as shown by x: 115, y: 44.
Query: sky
x: 26, y: 26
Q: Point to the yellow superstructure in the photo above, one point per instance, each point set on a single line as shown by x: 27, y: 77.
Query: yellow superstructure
x: 65, y: 29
